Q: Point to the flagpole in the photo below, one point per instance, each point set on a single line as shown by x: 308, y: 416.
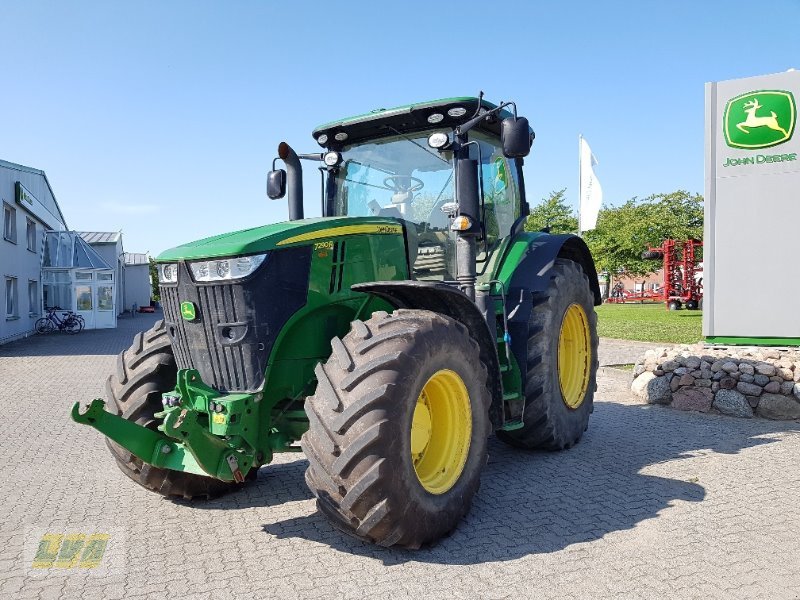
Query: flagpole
x: 580, y: 179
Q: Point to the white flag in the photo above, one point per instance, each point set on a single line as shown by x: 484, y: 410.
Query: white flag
x: 591, y: 194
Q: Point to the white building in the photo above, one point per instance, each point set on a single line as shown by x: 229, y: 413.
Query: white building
x: 29, y: 211
x: 44, y: 265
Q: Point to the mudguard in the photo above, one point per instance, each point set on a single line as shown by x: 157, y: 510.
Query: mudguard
x: 532, y: 275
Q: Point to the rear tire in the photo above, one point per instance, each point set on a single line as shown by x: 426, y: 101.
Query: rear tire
x: 145, y: 371
x: 550, y: 422
x: 674, y: 305
x: 692, y: 305
x: 359, y: 443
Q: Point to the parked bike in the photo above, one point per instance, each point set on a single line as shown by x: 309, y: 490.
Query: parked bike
x: 69, y: 322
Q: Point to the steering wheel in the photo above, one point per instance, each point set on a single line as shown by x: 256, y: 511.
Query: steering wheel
x: 403, y: 183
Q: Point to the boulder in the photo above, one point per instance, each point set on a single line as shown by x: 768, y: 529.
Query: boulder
x: 746, y: 378
x: 785, y: 373
x: 686, y: 380
x: 760, y: 379
x: 787, y: 388
x: 730, y: 367
x: 702, y: 383
x: 693, y: 362
x: 778, y: 407
x: 639, y: 385
x: 727, y: 383
x: 746, y: 368
x: 749, y: 389
x: 732, y: 403
x: 658, y: 391
x: 773, y: 387
x: 717, y: 365
x: 669, y: 365
x: 765, y: 369
x: 691, y: 398
x: 674, y: 384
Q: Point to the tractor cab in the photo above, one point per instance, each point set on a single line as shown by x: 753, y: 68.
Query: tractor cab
x: 402, y: 163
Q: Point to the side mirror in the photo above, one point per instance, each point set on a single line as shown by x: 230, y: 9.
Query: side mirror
x: 276, y: 184
x: 516, y: 136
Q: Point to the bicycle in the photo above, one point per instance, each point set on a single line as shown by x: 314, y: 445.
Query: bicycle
x: 69, y: 323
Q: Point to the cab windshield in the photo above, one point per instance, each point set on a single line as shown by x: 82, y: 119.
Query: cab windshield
x: 398, y: 177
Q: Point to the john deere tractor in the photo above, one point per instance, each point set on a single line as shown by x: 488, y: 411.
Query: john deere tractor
x: 386, y: 339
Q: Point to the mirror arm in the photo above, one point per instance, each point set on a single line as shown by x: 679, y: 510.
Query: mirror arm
x: 464, y: 128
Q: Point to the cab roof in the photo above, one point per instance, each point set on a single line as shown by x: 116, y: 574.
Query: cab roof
x: 408, y: 118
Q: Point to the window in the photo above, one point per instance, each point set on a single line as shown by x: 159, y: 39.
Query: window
x: 33, y: 297
x: 105, y: 297
x: 9, y: 223
x: 84, y: 295
x: 11, y: 298
x: 31, y: 234
x: 83, y: 276
x: 105, y: 276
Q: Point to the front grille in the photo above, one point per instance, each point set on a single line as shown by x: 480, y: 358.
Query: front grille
x: 236, y: 326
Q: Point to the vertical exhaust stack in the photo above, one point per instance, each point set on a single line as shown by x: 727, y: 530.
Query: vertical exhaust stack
x: 294, y: 180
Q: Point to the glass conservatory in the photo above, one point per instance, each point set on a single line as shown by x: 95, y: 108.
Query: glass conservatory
x: 75, y: 277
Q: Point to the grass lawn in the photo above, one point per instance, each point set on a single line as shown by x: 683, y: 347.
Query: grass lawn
x: 649, y: 323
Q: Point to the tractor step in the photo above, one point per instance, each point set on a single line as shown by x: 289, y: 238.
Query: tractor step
x: 505, y: 368
x: 509, y: 396
x: 512, y: 425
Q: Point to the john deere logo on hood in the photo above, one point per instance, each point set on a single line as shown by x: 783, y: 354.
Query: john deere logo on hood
x: 759, y: 119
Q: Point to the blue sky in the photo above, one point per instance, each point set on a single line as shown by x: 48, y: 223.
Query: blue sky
x: 162, y: 118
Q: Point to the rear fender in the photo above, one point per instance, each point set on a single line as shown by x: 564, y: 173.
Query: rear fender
x: 450, y: 301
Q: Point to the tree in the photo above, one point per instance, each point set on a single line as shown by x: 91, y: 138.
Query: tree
x: 553, y: 212
x: 154, y: 280
x: 625, y: 231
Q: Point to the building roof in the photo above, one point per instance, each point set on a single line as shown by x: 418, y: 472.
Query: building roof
x: 67, y: 250
x: 101, y: 237
x: 55, y: 208
x: 135, y: 258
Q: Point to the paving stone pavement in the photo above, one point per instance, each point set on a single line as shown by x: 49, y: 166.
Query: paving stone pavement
x: 653, y: 503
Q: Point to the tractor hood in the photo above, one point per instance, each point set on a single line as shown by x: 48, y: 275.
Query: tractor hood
x: 280, y: 235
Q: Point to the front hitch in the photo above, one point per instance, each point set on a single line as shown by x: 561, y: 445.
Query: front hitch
x: 203, y: 431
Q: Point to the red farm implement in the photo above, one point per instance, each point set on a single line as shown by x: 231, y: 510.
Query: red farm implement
x: 683, y: 273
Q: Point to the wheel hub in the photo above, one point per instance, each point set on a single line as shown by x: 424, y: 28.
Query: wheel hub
x: 441, y: 430
x: 574, y: 356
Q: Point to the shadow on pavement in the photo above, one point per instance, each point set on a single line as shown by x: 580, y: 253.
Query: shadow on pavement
x: 537, y: 502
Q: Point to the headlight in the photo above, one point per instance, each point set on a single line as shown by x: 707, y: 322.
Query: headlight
x: 168, y: 273
x: 226, y: 269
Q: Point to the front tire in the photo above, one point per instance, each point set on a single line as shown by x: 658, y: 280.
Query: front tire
x: 562, y: 363
x: 398, y: 428
x: 43, y: 325
x: 145, y: 371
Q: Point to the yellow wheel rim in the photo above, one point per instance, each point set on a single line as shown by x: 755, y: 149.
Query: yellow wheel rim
x: 441, y: 430
x: 574, y: 356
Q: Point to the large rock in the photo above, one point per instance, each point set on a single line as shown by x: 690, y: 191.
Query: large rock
x: 691, y: 398
x: 730, y: 367
x: 778, y: 407
x: 787, y: 388
x: 732, y: 403
x: 693, y: 362
x: 773, y: 387
x: 765, y: 369
x: 639, y: 385
x: 727, y: 383
x: 745, y: 368
x: 746, y: 378
x: 749, y: 389
x: 717, y: 365
x: 669, y: 365
x: 760, y: 379
x: 785, y: 373
x: 658, y: 391
x: 686, y: 380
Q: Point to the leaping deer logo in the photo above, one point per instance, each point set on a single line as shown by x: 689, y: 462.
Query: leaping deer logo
x: 753, y: 121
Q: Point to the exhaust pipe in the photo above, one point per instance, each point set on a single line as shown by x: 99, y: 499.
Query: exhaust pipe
x: 294, y: 180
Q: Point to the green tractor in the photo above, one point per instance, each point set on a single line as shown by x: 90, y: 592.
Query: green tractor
x: 386, y: 339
